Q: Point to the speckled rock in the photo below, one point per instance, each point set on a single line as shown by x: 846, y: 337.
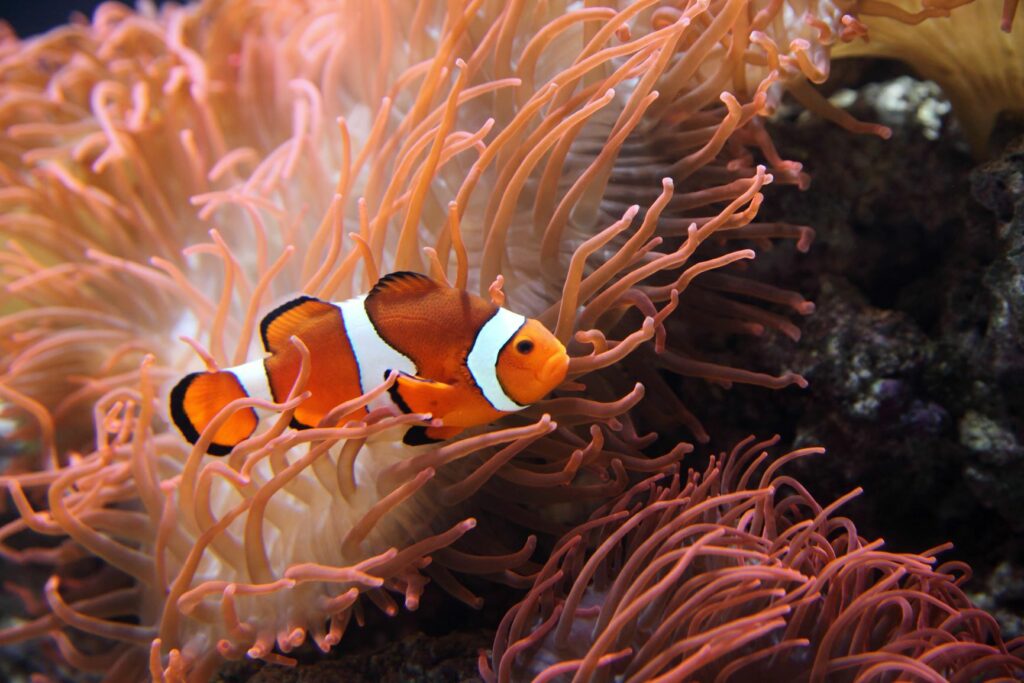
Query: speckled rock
x: 993, y: 433
x: 1003, y: 595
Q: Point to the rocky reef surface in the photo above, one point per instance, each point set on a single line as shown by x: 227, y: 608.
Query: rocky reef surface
x: 915, y: 354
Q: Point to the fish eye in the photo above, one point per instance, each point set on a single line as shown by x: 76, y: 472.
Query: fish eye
x: 524, y: 346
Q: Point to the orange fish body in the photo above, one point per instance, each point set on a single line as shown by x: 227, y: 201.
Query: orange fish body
x: 460, y: 358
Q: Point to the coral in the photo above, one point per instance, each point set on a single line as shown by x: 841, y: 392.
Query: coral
x: 738, y: 573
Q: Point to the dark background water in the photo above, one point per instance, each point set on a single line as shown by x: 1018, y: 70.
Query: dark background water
x: 29, y: 17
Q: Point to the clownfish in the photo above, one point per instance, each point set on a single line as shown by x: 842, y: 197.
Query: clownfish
x: 459, y: 357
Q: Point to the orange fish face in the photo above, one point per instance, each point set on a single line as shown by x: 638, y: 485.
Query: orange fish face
x: 532, y: 363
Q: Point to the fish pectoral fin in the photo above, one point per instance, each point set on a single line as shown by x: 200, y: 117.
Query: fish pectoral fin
x: 414, y: 394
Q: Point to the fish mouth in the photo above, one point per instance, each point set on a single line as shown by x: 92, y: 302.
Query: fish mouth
x: 554, y: 369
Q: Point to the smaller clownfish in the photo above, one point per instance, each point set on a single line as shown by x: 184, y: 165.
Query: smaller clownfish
x: 460, y: 358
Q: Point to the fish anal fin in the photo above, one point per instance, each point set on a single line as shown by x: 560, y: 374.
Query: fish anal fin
x: 403, y: 283
x: 417, y: 436
x: 290, y: 318
x: 422, y: 436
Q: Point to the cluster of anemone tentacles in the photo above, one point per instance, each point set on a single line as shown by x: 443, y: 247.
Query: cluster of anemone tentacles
x: 173, y: 173
x: 736, y: 574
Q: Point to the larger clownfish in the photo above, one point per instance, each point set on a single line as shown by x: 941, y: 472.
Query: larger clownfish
x: 460, y: 358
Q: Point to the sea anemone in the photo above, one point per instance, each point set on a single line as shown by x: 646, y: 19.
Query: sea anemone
x: 980, y: 70
x: 100, y: 290
x: 738, y: 573
x: 173, y: 174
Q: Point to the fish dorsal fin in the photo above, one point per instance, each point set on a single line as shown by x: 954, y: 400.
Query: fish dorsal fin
x: 278, y: 326
x: 403, y: 283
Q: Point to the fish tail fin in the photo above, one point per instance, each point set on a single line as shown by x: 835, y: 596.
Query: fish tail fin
x: 197, y: 399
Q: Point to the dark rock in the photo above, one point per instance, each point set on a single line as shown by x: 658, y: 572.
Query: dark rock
x: 450, y: 658
x: 999, y: 184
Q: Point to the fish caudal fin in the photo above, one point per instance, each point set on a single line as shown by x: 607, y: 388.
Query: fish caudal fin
x: 197, y: 399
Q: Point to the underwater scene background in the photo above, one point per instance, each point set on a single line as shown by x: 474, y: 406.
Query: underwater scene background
x: 741, y: 217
